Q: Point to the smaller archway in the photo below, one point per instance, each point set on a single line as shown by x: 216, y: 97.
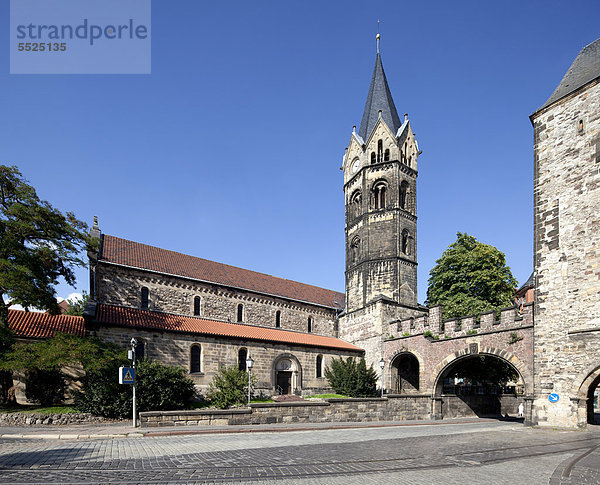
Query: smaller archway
x: 588, y: 400
x: 405, y: 374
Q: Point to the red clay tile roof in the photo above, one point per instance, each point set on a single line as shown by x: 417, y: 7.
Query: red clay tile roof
x: 130, y: 253
x: 43, y: 325
x: 131, y: 317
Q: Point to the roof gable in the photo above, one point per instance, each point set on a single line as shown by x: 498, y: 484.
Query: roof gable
x: 129, y: 253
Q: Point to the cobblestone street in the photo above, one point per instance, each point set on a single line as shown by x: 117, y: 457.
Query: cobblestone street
x: 487, y: 452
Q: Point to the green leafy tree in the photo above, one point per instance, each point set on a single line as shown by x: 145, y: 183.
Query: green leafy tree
x: 229, y: 387
x: 38, y: 245
x: 77, y: 305
x: 470, y: 278
x: 352, y: 378
x: 485, y: 370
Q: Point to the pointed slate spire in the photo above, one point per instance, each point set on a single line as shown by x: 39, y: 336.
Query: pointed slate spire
x: 379, y: 98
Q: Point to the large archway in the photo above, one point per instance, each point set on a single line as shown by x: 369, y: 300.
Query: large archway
x: 479, y: 384
x: 405, y: 369
x: 588, y: 390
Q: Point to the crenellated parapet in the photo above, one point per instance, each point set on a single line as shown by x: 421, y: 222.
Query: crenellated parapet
x: 431, y: 324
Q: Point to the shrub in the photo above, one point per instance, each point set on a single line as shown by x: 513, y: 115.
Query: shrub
x: 158, y: 387
x: 352, y: 379
x: 229, y: 387
x: 45, y: 387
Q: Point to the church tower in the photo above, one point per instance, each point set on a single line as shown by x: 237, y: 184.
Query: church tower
x: 380, y: 182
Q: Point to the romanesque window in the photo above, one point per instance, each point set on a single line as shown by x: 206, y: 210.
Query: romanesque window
x: 140, y: 350
x: 405, y: 242
x: 278, y: 319
x: 386, y: 155
x: 197, y: 305
x: 372, y: 158
x: 144, y: 302
x: 319, y: 366
x: 379, y: 191
x: 355, y: 249
x: 240, y: 313
x: 355, y: 204
x: 310, y: 322
x: 195, y: 358
x: 403, y: 194
x: 242, y: 356
x: 379, y: 151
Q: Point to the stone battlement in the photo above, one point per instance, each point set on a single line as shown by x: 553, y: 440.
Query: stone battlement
x: 431, y: 323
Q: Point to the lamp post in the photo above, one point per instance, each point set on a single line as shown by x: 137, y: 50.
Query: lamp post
x: 133, y: 346
x: 382, y: 365
x: 249, y: 364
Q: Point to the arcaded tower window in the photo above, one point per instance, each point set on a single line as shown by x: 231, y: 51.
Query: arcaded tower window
x: 403, y: 194
x: 195, y: 358
x: 144, y: 302
x: 355, y: 204
x: 379, y: 190
x: 240, y: 313
x: 197, y: 305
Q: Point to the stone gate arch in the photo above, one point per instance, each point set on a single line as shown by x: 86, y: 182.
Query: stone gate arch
x: 585, y: 385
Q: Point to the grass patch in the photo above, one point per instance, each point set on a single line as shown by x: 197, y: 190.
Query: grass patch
x: 327, y: 396
x: 261, y: 400
x: 20, y: 408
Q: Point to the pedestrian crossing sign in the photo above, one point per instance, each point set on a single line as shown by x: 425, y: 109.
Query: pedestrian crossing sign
x: 126, y: 375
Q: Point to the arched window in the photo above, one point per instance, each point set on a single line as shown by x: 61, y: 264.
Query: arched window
x: 240, y: 313
x: 196, y: 305
x: 242, y: 356
x: 372, y: 158
x: 386, y: 155
x: 409, y: 160
x: 355, y: 249
x: 355, y: 204
x: 403, y: 193
x: 140, y: 350
x: 379, y: 151
x: 405, y: 242
x: 310, y: 322
x: 319, y: 366
x: 379, y: 191
x: 278, y: 319
x: 195, y: 358
x: 144, y: 302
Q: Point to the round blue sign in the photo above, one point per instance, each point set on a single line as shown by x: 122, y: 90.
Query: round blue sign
x: 553, y: 397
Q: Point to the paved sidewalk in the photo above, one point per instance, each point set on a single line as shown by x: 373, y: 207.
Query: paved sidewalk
x: 120, y: 430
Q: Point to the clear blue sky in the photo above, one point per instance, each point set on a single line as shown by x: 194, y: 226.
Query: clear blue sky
x: 230, y: 150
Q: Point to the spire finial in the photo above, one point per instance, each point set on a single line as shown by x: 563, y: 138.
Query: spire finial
x: 378, y: 36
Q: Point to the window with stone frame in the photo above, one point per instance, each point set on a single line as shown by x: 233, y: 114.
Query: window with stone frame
x: 404, y: 195
x: 379, y: 195
x: 310, y: 325
x: 278, y: 319
x: 373, y: 160
x: 405, y: 242
x: 355, y: 249
x: 195, y: 358
x: 319, y: 365
x: 356, y: 204
x: 145, y: 297
x: 379, y: 151
x: 386, y: 155
x: 242, y: 356
x: 240, y: 313
x: 197, y: 302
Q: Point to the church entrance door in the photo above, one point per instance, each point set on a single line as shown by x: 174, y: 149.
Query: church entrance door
x: 284, y: 381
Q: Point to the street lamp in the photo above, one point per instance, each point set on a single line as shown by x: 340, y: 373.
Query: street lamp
x: 249, y: 364
x: 133, y: 343
x: 382, y: 365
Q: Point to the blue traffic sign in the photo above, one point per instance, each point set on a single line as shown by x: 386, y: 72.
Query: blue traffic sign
x: 126, y: 375
x: 553, y: 397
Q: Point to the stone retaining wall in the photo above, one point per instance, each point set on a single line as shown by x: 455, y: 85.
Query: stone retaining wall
x: 391, y: 408
x: 36, y: 419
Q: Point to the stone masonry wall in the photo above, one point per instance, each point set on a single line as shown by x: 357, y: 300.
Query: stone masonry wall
x: 567, y: 254
x: 329, y: 411
x: 174, y: 349
x: 122, y: 286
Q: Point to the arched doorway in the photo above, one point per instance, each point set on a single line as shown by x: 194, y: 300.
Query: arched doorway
x: 593, y: 410
x: 479, y: 385
x: 589, y: 405
x: 287, y: 374
x: 405, y: 374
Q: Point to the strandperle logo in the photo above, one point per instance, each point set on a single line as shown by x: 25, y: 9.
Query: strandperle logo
x: 85, y: 30
x: 80, y: 37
